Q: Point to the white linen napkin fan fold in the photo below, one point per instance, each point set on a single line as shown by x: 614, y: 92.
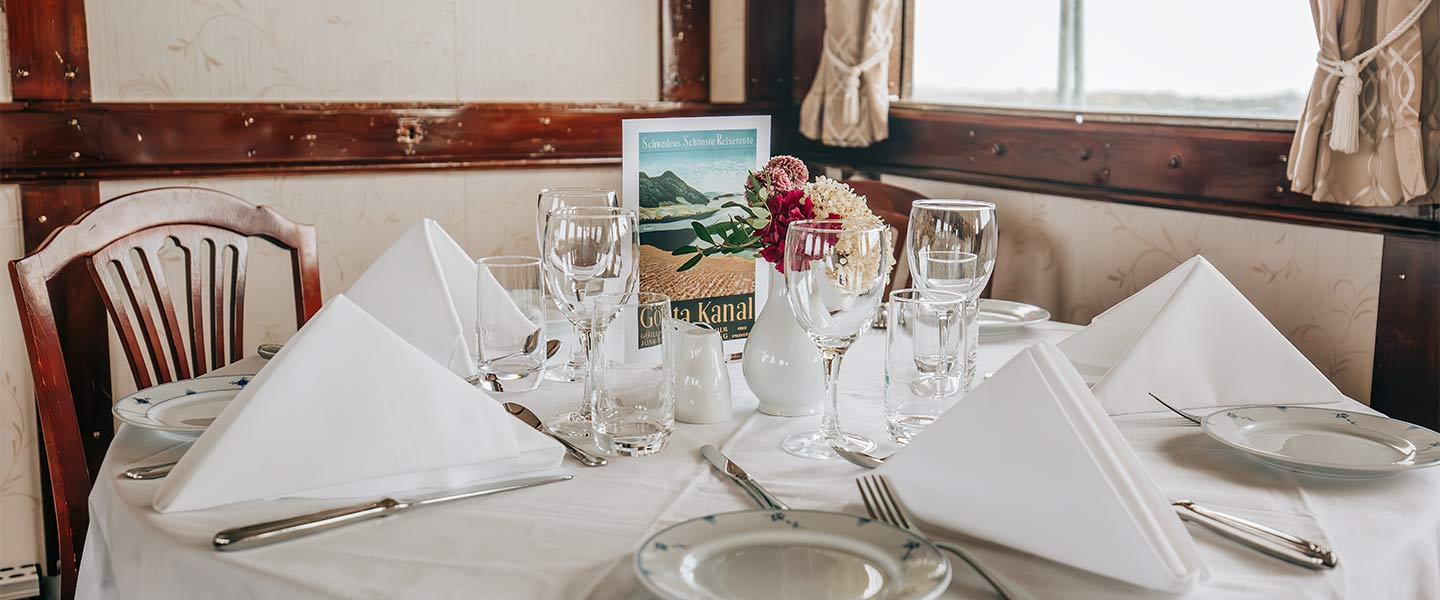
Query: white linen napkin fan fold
x: 350, y: 409
x: 424, y: 287
x: 1031, y: 461
x: 1192, y: 339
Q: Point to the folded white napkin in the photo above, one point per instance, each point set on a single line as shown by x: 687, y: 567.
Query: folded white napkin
x: 350, y: 409
x: 1030, y: 461
x: 423, y: 287
x: 1192, y: 339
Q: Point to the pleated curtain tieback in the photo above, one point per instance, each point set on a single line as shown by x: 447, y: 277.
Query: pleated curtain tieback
x: 852, y: 75
x: 1345, y: 121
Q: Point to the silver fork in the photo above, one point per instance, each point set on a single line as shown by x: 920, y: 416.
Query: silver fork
x: 883, y: 505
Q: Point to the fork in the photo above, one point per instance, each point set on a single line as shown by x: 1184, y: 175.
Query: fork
x: 884, y: 506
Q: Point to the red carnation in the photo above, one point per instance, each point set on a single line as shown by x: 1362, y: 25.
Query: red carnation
x: 785, y: 208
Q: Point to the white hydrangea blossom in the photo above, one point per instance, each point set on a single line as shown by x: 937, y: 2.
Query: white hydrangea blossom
x: 859, y: 255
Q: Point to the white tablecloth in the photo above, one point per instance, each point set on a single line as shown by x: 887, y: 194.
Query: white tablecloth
x: 576, y: 539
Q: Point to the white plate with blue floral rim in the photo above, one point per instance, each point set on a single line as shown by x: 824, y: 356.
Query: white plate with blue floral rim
x: 184, y: 408
x: 1000, y: 317
x: 790, y: 554
x: 1325, y: 442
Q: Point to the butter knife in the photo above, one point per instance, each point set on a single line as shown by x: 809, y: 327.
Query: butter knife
x: 269, y: 532
x: 1276, y: 543
x: 727, y: 467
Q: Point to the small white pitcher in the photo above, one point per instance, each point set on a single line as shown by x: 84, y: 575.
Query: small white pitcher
x: 702, y: 380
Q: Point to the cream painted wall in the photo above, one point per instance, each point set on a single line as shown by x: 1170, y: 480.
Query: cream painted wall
x: 490, y: 50
x: 1319, y: 287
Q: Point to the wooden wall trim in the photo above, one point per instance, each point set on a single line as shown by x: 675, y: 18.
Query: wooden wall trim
x: 685, y: 50
x: 1235, y: 172
x: 1406, y: 381
x: 59, y: 140
x: 769, y: 70
x: 49, y: 51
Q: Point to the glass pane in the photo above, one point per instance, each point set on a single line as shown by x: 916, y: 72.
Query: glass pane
x: 1225, y: 58
x: 966, y: 52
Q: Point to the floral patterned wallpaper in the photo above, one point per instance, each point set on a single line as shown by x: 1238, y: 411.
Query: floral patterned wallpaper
x: 1320, y: 287
x: 496, y: 50
x: 19, y: 469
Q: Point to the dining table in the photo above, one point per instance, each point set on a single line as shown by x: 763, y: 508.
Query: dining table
x: 577, y: 539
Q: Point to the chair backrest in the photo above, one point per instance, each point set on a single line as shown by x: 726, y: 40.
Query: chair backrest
x: 891, y: 203
x: 120, y: 242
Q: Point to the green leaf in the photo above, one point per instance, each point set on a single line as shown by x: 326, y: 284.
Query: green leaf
x: 701, y: 232
x: 690, y: 263
x: 722, y: 227
x: 759, y: 223
x: 683, y: 250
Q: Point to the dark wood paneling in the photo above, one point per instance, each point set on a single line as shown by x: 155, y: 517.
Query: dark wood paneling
x: 49, y: 53
x: 807, y: 44
x: 685, y: 50
x: 768, y: 68
x: 91, y: 140
x: 1236, y: 172
x: 1406, y: 382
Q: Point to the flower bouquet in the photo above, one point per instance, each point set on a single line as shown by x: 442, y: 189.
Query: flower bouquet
x: 776, y: 196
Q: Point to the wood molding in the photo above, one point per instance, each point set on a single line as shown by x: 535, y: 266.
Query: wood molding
x: 769, y: 70
x: 685, y: 50
x: 1406, y: 382
x: 49, y: 51
x: 60, y: 140
x: 1233, y: 172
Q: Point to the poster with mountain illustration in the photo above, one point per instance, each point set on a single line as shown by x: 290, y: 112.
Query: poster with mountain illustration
x: 681, y: 170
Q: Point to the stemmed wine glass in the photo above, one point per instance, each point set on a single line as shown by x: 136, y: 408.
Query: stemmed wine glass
x: 589, y: 251
x: 569, y: 197
x: 951, y: 247
x: 835, y: 277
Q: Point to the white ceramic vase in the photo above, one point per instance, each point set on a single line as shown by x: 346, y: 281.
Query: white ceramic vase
x: 781, y: 364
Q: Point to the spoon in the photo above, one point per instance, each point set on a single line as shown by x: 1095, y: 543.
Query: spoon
x: 860, y: 459
x: 533, y: 420
x: 492, y: 382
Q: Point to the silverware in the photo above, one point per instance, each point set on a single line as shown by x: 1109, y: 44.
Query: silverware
x: 881, y: 320
x: 728, y: 468
x: 1192, y: 418
x: 491, y: 382
x: 1276, y: 543
x: 533, y: 420
x: 883, y: 505
x: 260, y: 534
x: 736, y: 356
x: 150, y: 471
x: 860, y: 459
x: 268, y: 351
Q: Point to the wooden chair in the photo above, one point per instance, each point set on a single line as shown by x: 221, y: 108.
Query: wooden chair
x: 119, y: 242
x: 891, y: 203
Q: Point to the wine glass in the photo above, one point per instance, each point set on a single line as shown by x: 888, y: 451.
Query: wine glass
x: 569, y: 197
x: 835, y: 274
x: 951, y: 246
x: 589, y: 251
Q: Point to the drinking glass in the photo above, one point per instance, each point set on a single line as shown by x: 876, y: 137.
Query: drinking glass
x: 924, y: 359
x: 589, y: 251
x: 510, y: 323
x: 632, y: 373
x: 959, y: 238
x: 570, y: 197
x: 835, y: 274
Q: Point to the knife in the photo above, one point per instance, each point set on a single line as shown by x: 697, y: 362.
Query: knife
x: 725, y: 466
x: 269, y: 532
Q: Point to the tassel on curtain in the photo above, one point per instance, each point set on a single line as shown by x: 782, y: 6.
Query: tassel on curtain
x: 848, y: 104
x: 1370, y: 131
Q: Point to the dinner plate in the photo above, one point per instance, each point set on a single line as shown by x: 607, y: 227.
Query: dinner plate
x: 1322, y: 441
x: 790, y: 554
x: 999, y: 317
x: 184, y: 407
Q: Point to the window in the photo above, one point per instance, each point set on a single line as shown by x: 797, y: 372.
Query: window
x: 1215, y: 58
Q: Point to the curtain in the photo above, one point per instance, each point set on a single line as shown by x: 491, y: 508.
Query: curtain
x: 1385, y: 56
x: 849, y: 103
